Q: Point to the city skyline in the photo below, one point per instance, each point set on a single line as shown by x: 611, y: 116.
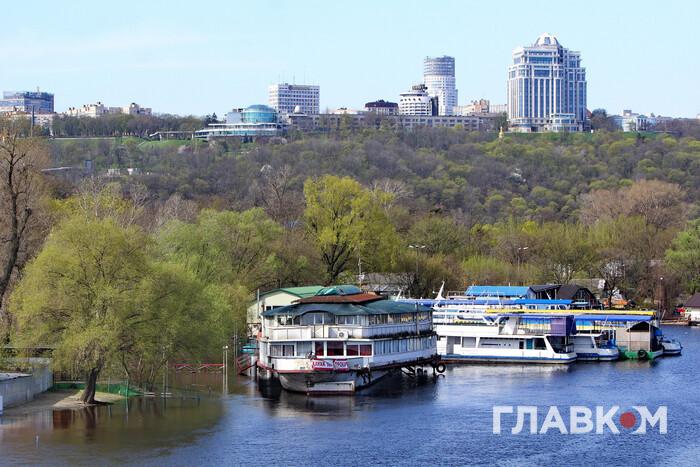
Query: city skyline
x: 188, y: 61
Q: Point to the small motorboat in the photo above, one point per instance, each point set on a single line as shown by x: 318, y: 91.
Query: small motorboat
x: 670, y: 346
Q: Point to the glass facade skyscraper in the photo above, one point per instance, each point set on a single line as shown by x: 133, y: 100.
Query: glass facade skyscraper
x: 37, y: 102
x: 546, y: 88
x: 439, y: 78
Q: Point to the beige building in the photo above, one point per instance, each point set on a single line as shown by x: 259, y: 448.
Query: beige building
x: 98, y: 109
x: 274, y: 299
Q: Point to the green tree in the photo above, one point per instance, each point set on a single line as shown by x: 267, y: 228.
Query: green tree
x: 99, y: 297
x: 683, y: 256
x: 346, y: 220
x: 80, y: 293
x: 225, y: 247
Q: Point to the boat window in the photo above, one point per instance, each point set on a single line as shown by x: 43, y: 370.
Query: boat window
x: 379, y: 319
x: 335, y: 348
x: 352, y: 350
x: 304, y: 348
x: 319, y: 349
x: 521, y: 345
x: 468, y: 341
x: 347, y: 319
x: 284, y: 320
x: 282, y: 350
x: 365, y: 350
x: 539, y: 344
x: 316, y: 318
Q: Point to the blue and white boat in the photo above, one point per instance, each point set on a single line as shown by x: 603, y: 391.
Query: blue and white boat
x: 596, y: 346
x: 474, y: 337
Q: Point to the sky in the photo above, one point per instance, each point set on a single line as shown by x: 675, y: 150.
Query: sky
x: 199, y: 57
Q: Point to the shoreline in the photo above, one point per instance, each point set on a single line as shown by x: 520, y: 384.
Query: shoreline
x: 58, y: 400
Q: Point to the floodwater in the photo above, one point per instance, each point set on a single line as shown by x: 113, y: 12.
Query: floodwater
x: 443, y: 421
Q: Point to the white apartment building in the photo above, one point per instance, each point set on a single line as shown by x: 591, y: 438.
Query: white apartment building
x: 290, y: 98
x: 98, y: 109
x: 546, y: 88
x: 417, y: 101
x: 439, y: 78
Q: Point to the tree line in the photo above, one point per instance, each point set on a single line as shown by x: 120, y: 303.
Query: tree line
x: 121, y: 275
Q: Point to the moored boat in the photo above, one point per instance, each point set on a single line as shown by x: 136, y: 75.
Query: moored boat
x: 504, y: 339
x: 595, y: 346
x: 342, y: 340
x: 670, y: 346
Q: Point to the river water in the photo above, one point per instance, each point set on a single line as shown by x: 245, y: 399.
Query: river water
x: 443, y: 421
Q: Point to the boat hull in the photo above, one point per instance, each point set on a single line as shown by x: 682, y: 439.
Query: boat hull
x: 599, y: 355
x: 319, y: 383
x: 458, y: 358
x: 648, y: 354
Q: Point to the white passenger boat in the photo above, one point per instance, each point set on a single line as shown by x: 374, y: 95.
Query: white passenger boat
x: 503, y: 338
x: 343, y: 339
x: 595, y: 346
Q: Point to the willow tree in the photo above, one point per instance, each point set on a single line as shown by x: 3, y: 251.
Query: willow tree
x: 99, y: 296
x: 346, y: 221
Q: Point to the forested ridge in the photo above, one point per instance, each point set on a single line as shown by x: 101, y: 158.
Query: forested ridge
x: 122, y: 271
x: 475, y: 176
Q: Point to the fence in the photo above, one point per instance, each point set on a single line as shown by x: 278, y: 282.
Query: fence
x: 19, y: 388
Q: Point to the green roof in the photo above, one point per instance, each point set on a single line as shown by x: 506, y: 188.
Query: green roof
x: 378, y: 307
x: 301, y: 292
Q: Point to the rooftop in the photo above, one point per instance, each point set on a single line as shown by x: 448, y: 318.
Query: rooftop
x: 546, y: 39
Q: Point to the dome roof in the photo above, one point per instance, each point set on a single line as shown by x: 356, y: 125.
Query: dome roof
x: 259, y: 114
x: 260, y: 107
x: 546, y: 39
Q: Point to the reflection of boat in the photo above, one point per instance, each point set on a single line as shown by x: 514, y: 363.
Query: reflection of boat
x: 670, y: 346
x: 506, y: 338
x: 342, y: 340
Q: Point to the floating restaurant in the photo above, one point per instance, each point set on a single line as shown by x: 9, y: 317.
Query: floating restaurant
x: 343, y: 339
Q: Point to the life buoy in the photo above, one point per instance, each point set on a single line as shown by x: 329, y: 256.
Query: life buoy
x: 440, y: 367
x: 642, y: 353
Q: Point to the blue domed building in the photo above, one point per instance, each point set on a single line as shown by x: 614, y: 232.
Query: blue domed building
x: 259, y: 114
x: 249, y: 124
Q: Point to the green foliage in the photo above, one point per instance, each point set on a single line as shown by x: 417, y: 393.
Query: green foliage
x: 101, y: 296
x: 346, y: 220
x: 225, y: 247
x: 683, y: 257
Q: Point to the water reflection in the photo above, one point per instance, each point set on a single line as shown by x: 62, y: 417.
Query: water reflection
x: 451, y: 416
x: 280, y: 403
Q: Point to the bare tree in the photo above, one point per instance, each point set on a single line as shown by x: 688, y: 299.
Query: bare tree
x: 21, y: 161
x: 278, y: 198
x: 174, y: 208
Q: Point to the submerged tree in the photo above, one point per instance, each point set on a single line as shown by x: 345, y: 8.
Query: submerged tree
x: 101, y: 297
x: 80, y: 293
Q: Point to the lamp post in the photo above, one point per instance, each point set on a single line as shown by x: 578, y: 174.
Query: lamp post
x: 225, y: 370
x: 520, y: 248
x: 662, y: 298
x: 416, y: 248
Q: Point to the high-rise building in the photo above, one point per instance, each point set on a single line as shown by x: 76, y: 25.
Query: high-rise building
x: 439, y: 78
x: 546, y: 88
x: 417, y: 101
x: 289, y: 98
x: 27, y: 101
